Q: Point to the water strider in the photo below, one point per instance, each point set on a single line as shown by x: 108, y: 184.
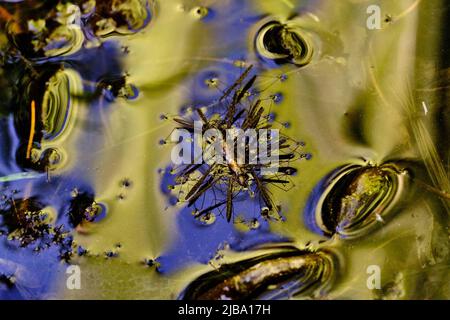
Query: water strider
x: 235, y: 165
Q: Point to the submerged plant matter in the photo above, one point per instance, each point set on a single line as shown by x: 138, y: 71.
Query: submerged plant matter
x: 287, y: 273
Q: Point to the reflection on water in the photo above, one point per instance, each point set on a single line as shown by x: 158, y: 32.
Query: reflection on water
x: 288, y: 272
x: 353, y: 200
x: 88, y: 97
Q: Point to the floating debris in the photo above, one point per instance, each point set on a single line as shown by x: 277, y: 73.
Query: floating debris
x: 26, y: 221
x: 284, y: 43
x: 120, y: 17
x: 126, y: 183
x: 58, y: 29
x: 355, y: 199
x: 55, y: 32
x: 45, y: 114
x: 116, y: 87
x: 284, y: 274
x: 84, y: 208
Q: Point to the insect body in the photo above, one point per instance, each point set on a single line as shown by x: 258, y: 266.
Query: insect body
x: 239, y: 170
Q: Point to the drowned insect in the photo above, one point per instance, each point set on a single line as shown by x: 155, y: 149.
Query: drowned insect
x: 242, y: 153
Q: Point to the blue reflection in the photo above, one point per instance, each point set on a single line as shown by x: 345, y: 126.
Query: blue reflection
x: 32, y: 275
x: 200, y: 243
x: 32, y: 271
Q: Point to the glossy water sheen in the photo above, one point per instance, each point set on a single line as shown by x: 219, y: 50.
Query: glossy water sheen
x: 88, y: 95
